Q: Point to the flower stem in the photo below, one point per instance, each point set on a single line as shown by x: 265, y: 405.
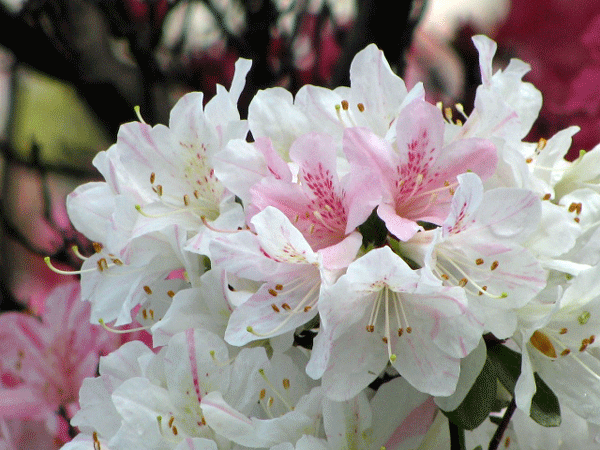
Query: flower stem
x: 457, y: 436
x: 510, y: 409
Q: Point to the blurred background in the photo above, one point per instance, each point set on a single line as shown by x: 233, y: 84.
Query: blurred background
x: 72, y: 71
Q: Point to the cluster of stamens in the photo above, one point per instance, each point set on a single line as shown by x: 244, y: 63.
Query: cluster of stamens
x: 345, y: 106
x: 463, y: 279
x: 267, y: 403
x: 383, y: 299
x: 547, y: 341
x: 306, y: 304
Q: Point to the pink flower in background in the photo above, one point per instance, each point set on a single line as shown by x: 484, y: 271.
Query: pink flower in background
x: 43, y: 361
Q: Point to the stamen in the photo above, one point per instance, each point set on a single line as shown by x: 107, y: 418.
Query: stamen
x: 138, y: 113
x: 77, y: 253
x: 360, y: 107
x: 152, y: 177
x: 97, y: 445
x: 65, y: 272
x: 302, y: 307
x: 97, y: 247
x: 210, y: 227
x: 275, y: 390
x: 114, y: 330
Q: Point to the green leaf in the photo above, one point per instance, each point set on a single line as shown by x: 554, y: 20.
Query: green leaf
x: 478, y: 403
x: 507, y: 364
x: 545, y: 409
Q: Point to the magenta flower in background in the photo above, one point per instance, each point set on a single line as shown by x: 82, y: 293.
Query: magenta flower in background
x: 569, y: 74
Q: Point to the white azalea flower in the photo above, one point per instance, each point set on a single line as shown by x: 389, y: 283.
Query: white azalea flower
x: 381, y: 310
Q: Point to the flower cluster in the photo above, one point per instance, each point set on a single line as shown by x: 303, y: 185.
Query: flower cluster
x: 328, y: 273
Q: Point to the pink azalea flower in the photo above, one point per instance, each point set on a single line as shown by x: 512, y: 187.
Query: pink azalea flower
x: 418, y: 171
x: 44, y: 361
x: 322, y: 206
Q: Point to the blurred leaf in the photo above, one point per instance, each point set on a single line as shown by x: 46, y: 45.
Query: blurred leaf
x: 49, y: 114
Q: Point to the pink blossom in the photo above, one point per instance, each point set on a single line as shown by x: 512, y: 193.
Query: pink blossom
x: 44, y: 360
x: 418, y: 171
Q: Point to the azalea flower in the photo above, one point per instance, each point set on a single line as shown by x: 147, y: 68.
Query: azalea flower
x: 290, y: 272
x: 44, y: 361
x: 417, y: 171
x: 382, y: 311
x: 558, y: 341
x: 479, y: 247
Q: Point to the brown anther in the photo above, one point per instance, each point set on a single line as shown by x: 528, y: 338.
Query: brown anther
x: 102, y: 264
x: 547, y: 197
x: 148, y: 290
x: 117, y: 261
x: 307, y: 215
x: 286, y: 306
x: 592, y: 339
x: 585, y: 342
x: 171, y: 294
x: 286, y: 383
x: 97, y: 247
x: 361, y: 107
x: 507, y: 442
x: 565, y: 352
x: 576, y: 220
x: 279, y: 287
x: 307, y: 308
x: 97, y: 445
x: 174, y: 429
x: 409, y: 330
x: 400, y: 331
x: 444, y: 276
x: 345, y: 105
x: 452, y: 191
x: 529, y: 160
x: 370, y: 328
x: 271, y: 401
x: 151, y: 312
x: 203, y: 421
x: 262, y: 394
x: 384, y: 339
x: 563, y: 330
x: 583, y: 347
x: 186, y: 200
x: 171, y: 420
x: 273, y: 292
x: 446, y: 183
x: 479, y: 261
x: 543, y: 343
x: 463, y: 282
x: 196, y: 194
x: 152, y: 177
x: 275, y: 307
x: 579, y: 207
x: 159, y: 190
x: 572, y: 207
x: 144, y: 314
x: 494, y: 265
